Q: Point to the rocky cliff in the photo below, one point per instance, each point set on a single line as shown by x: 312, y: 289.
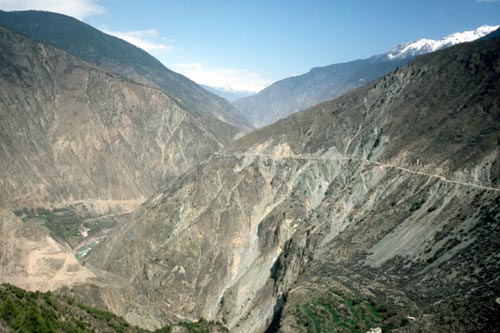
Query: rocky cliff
x: 379, y: 208
x: 73, y: 133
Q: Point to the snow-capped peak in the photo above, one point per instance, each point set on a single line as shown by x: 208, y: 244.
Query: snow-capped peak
x: 422, y: 46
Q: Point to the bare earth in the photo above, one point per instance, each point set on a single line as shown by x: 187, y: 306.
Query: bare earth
x: 33, y: 260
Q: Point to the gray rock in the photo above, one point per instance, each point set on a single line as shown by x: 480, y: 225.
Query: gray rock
x: 389, y: 192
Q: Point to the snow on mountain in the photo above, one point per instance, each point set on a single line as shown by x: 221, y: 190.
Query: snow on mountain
x: 422, y: 46
x: 229, y: 94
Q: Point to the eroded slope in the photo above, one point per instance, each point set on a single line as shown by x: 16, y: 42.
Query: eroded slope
x: 388, y: 194
x: 72, y: 133
x: 114, y: 54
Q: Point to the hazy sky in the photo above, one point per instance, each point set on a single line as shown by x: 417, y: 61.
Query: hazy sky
x: 247, y: 45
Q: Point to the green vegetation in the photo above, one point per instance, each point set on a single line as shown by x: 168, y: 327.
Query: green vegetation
x: 335, y: 312
x: 315, y: 321
x: 417, y: 205
x: 64, y: 224
x: 27, y: 312
x: 35, y: 312
x: 202, y: 326
x: 98, y: 226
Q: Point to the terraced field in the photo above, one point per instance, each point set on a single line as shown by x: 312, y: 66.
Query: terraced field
x: 335, y: 312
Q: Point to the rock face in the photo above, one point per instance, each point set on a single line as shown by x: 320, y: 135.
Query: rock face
x: 325, y: 83
x: 389, y: 193
x: 116, y: 55
x: 71, y: 132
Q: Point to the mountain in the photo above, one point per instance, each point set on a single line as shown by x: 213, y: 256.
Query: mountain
x: 74, y: 134
x: 114, y: 54
x: 324, y: 83
x: 423, y: 46
x: 297, y: 93
x: 228, y: 94
x: 494, y: 34
x: 377, y: 209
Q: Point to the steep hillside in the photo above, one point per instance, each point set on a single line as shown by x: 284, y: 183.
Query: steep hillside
x: 380, y: 208
x: 35, y: 312
x: 325, y: 83
x: 109, y: 52
x: 72, y: 133
x: 298, y: 93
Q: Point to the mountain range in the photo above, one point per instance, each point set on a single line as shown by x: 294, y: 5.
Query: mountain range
x: 75, y: 133
x: 382, y: 199
x: 116, y: 55
x: 228, y: 94
x: 141, y: 201
x: 297, y: 93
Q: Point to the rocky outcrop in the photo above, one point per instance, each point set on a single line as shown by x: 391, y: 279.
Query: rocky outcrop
x: 388, y: 193
x: 72, y: 133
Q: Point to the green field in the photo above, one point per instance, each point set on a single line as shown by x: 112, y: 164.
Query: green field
x: 335, y: 312
x: 65, y: 224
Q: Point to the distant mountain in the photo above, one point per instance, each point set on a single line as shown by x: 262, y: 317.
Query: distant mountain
x: 73, y: 133
x: 377, y: 209
x: 230, y: 95
x: 114, y: 54
x: 423, y: 46
x: 494, y: 34
x: 297, y: 93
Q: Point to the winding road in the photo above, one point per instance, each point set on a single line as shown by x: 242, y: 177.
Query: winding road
x: 304, y: 157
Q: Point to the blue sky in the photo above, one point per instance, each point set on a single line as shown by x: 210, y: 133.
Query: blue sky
x: 247, y: 45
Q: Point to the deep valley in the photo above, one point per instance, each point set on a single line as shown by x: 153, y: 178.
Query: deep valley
x: 133, y: 200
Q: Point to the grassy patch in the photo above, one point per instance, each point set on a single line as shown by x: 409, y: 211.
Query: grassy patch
x: 332, y: 312
x: 99, y: 225
x: 314, y: 319
x: 202, y: 326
